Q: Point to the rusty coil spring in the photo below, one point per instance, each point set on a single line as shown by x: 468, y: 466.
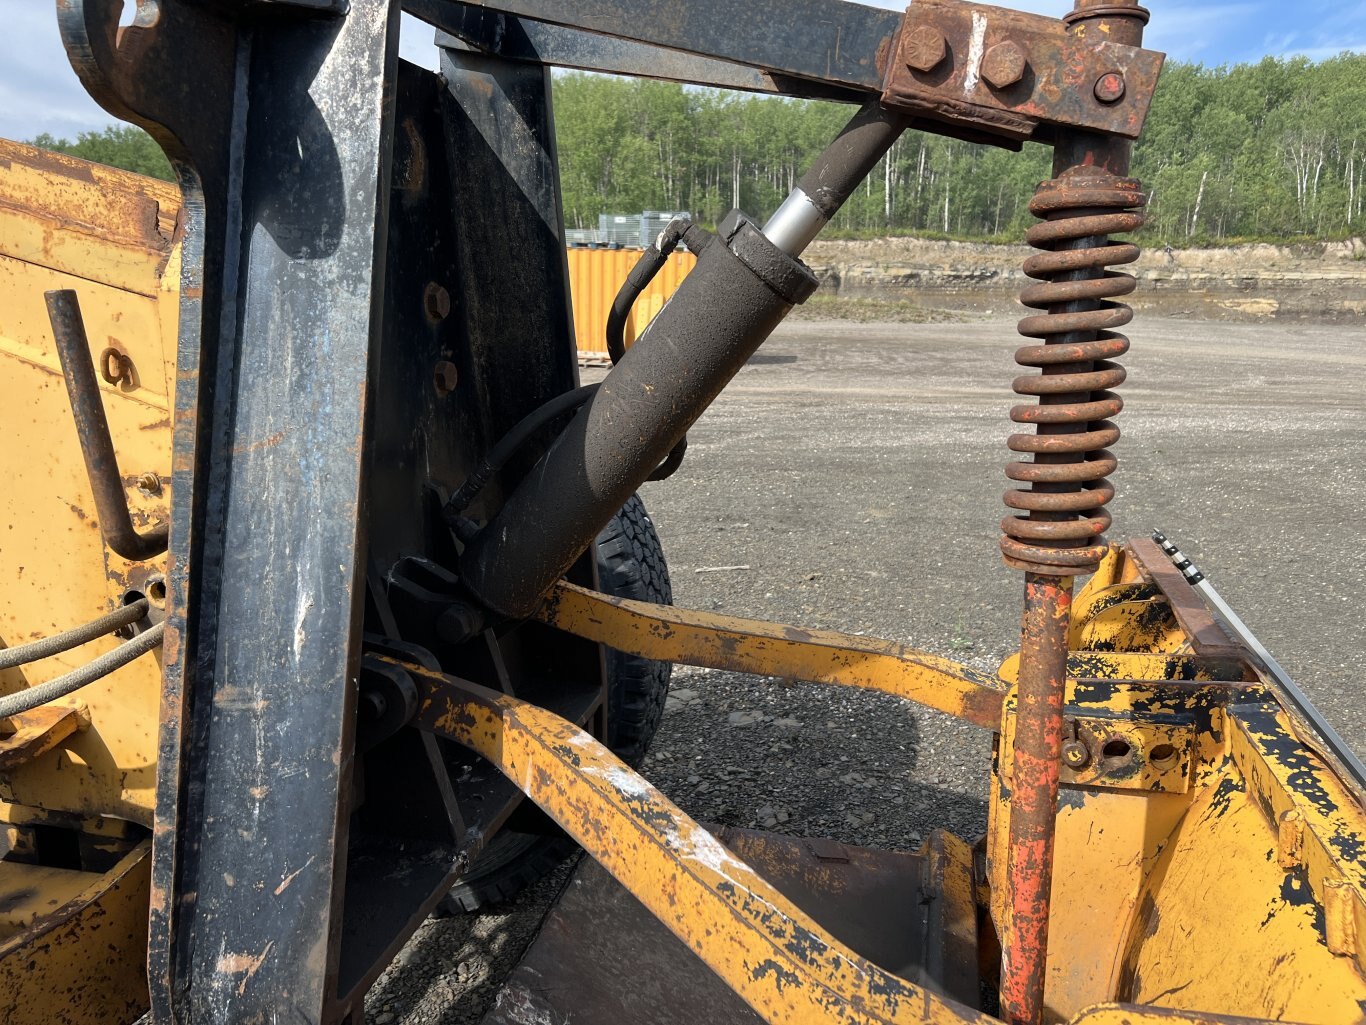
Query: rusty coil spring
x: 1064, y: 514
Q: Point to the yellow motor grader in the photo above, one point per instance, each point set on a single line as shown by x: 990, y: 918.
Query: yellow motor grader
x: 329, y: 599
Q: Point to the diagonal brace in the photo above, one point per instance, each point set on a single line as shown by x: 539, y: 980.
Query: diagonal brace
x: 706, y: 639
x: 784, y: 965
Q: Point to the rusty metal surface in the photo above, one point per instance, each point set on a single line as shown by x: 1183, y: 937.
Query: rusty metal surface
x: 1016, y: 75
x: 1036, y: 759
x: 785, y: 966
x: 1206, y: 636
x: 774, y: 649
x: 1062, y: 516
x: 602, y: 958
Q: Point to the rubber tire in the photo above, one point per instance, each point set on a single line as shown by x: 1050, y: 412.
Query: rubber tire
x: 630, y: 565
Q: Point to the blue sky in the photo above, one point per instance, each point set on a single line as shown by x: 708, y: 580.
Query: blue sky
x: 39, y: 91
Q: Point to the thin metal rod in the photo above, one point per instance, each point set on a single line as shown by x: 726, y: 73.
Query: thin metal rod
x: 92, y: 427
x: 33, y: 697
x: 1333, y: 740
x: 1035, y: 759
x: 46, y: 647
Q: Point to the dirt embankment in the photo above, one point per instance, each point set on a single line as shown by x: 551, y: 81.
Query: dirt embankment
x: 1325, y: 281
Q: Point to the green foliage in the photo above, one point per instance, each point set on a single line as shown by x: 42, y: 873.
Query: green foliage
x: 1273, y: 150
x: 118, y: 146
x: 1268, y: 151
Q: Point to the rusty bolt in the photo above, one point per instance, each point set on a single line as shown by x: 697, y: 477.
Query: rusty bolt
x: 924, y: 48
x: 1003, y: 65
x: 1075, y: 755
x: 436, y: 301
x: 1110, y: 87
x: 458, y: 623
x: 445, y: 376
x: 149, y: 484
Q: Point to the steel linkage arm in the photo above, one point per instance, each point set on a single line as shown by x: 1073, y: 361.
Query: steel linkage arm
x: 784, y: 965
x: 686, y: 637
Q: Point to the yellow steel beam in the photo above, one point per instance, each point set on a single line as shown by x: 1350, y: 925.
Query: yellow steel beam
x: 785, y: 966
x: 771, y: 649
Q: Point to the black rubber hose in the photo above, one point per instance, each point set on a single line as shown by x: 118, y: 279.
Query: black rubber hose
x: 46, y: 647
x: 649, y: 264
x: 508, y: 445
x: 33, y: 697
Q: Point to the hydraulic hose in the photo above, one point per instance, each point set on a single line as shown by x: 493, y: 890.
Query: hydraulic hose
x: 33, y: 697
x: 46, y: 647
x: 510, y: 443
x: 650, y: 263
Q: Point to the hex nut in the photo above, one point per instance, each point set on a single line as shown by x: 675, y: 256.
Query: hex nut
x: 924, y: 48
x: 1075, y: 755
x: 1003, y: 65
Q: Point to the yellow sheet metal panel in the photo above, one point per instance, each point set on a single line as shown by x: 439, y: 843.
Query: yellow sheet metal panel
x: 109, y: 235
x: 85, y: 963
x: 596, y: 275
x: 1222, y: 925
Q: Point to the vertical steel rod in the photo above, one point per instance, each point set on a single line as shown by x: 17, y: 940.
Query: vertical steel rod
x: 1081, y: 161
x: 1036, y: 756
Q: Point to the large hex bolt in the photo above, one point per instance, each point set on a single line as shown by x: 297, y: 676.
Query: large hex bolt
x: 1004, y: 65
x: 924, y: 48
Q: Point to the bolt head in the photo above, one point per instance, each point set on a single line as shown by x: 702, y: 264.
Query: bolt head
x: 1075, y: 755
x: 458, y: 623
x: 924, y: 48
x: 1003, y: 65
x: 445, y: 377
x: 1110, y: 87
x: 436, y: 302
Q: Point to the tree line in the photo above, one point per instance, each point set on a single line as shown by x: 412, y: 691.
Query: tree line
x: 1274, y: 150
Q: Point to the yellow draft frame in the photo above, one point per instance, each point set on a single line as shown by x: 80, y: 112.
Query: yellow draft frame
x: 1200, y: 728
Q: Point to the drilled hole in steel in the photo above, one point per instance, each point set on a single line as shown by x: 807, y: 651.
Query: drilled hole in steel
x: 1117, y: 748
x: 1162, y: 755
x: 129, y: 598
x: 156, y: 591
x: 142, y: 13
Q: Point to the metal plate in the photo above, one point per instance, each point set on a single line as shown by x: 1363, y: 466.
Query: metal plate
x: 601, y: 957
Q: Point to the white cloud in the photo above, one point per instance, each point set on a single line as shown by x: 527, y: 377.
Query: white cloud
x: 38, y: 90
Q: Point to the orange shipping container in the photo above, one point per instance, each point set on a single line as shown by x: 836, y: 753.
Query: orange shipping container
x: 596, y: 275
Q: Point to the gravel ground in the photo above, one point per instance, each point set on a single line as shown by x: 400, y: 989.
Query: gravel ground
x: 850, y: 478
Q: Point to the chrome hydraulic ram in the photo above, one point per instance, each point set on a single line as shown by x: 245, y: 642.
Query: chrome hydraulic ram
x: 744, y: 283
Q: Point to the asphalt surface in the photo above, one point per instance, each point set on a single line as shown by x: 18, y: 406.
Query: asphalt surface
x: 851, y: 478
